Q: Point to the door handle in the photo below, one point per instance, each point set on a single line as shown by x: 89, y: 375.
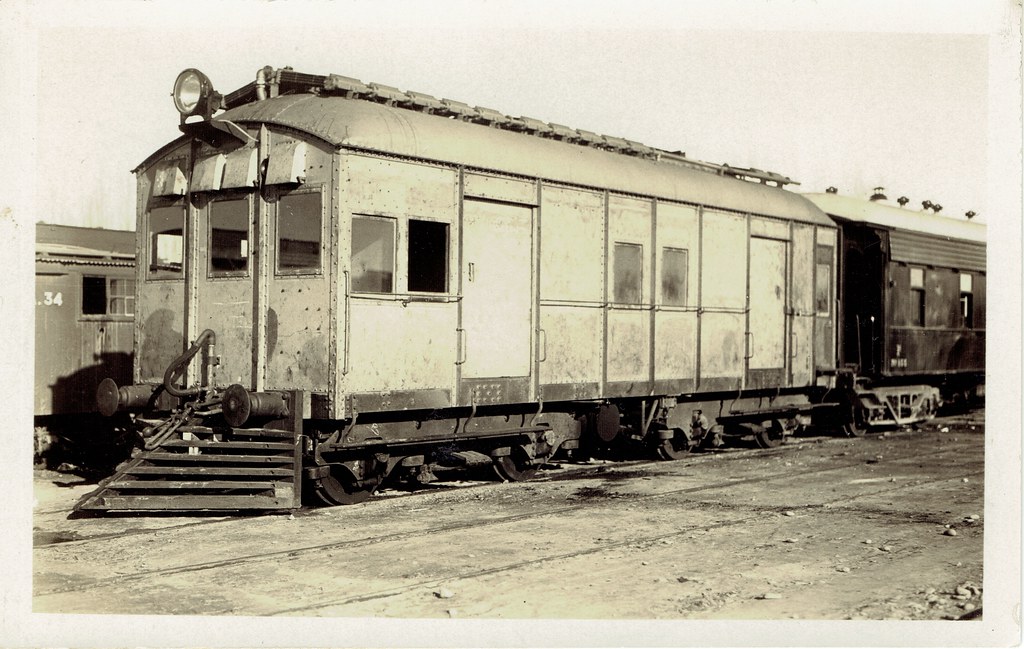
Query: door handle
x: 542, y: 336
x: 470, y: 272
x: 462, y: 346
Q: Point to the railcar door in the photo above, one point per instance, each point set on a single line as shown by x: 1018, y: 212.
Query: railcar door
x: 766, y: 350
x: 224, y: 280
x: 496, y: 314
x: 801, y: 304
x: 297, y: 279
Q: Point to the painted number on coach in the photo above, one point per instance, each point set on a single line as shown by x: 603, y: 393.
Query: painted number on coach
x: 51, y: 299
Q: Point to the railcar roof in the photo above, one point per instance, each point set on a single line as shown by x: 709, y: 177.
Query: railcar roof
x: 372, y: 126
x: 67, y: 240
x: 876, y: 213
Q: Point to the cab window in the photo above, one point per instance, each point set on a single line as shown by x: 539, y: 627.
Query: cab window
x: 298, y: 233
x: 166, y: 241
x: 229, y: 237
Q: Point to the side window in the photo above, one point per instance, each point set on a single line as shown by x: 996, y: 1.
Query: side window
x: 94, y: 295
x: 917, y: 297
x: 229, y: 237
x: 628, y: 273
x: 121, y: 297
x: 428, y: 256
x: 967, y: 299
x: 823, y: 281
x: 673, y: 276
x: 373, y: 255
x: 101, y: 296
x: 166, y: 241
x: 298, y: 233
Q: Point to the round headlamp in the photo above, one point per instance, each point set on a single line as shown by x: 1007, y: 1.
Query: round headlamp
x: 192, y: 91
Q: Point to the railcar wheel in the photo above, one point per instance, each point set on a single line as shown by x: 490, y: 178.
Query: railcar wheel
x: 515, y: 467
x: 675, y: 448
x: 854, y: 426
x: 340, y: 487
x: 769, y: 436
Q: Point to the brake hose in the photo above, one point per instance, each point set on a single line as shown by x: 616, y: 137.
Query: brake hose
x: 181, y: 362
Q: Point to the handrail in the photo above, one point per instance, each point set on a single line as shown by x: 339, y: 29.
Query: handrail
x: 348, y: 320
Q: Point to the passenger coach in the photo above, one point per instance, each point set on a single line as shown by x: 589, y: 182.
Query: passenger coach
x: 365, y: 276
x: 912, y: 319
x: 85, y: 295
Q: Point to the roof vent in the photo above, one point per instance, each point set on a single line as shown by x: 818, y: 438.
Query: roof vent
x: 878, y: 195
x: 971, y: 214
x: 902, y: 200
x: 831, y: 190
x: 926, y: 204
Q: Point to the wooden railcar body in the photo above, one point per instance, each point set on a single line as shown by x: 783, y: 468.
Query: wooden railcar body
x: 84, y: 294
x: 913, y: 287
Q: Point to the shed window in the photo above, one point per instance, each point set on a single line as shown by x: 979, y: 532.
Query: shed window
x: 628, y: 271
x: 166, y: 230
x: 967, y: 299
x: 917, y: 296
x: 428, y: 256
x: 373, y: 255
x: 229, y: 237
x: 298, y: 233
x: 673, y: 276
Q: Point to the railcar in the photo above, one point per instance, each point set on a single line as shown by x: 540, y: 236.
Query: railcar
x: 341, y: 281
x: 912, y: 308
x: 85, y: 296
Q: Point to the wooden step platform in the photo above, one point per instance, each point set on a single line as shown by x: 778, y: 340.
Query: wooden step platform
x: 200, y: 469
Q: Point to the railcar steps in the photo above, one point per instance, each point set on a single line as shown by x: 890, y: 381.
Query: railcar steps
x: 202, y: 469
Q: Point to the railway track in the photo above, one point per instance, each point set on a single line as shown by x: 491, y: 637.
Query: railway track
x: 434, y: 583
x: 564, y: 471
x: 565, y: 510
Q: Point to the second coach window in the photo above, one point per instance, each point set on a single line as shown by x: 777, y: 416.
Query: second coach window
x: 373, y: 255
x: 967, y: 299
x: 917, y: 297
x: 628, y: 271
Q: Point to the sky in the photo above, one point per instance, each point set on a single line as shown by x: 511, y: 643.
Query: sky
x: 851, y: 95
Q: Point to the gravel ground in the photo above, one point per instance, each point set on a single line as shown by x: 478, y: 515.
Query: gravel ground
x: 888, y: 527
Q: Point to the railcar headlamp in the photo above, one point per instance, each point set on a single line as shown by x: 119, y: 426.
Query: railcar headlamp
x: 193, y: 93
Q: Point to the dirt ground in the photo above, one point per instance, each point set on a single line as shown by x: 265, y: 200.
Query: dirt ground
x: 887, y: 527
